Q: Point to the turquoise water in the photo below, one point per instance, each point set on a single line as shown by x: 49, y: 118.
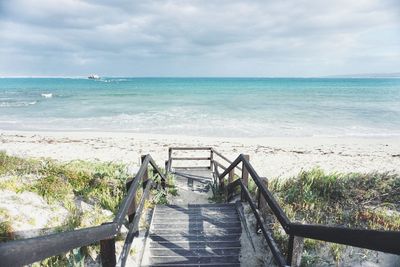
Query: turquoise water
x: 232, y: 107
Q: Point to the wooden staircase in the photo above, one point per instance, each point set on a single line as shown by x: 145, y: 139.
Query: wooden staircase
x: 194, y: 235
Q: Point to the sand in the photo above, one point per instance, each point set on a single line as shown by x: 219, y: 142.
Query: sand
x: 272, y: 157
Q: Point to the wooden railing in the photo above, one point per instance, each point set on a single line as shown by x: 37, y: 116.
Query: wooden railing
x: 26, y: 251
x: 384, y: 241
x: 212, y: 158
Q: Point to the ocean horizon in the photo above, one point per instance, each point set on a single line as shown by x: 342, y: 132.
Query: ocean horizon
x: 217, y: 107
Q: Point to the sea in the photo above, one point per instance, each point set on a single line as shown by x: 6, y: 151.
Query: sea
x: 216, y: 107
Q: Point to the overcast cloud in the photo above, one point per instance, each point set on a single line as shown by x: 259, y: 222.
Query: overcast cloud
x: 198, y: 38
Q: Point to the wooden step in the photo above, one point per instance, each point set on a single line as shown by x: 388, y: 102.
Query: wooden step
x: 194, y: 235
x: 196, y: 244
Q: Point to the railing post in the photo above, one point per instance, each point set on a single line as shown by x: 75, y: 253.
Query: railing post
x: 231, y: 175
x: 295, y: 251
x: 132, y: 206
x: 107, y: 252
x: 245, y: 173
x: 170, y: 159
x: 245, y: 176
x: 261, y: 201
x: 211, y: 159
x: 146, y: 173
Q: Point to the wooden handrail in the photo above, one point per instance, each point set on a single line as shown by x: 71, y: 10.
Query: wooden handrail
x: 171, y: 158
x: 384, y: 241
x: 224, y: 158
x: 26, y: 251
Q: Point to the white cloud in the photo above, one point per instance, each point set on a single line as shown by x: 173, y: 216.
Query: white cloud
x: 199, y: 38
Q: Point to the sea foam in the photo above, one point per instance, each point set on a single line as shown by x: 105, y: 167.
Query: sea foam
x: 48, y: 95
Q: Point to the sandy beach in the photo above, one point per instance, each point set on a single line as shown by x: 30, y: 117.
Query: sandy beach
x: 272, y: 157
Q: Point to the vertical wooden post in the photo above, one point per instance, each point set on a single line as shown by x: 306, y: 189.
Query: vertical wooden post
x: 107, y: 252
x: 261, y: 202
x: 170, y: 159
x: 211, y: 159
x: 245, y: 173
x: 132, y: 206
x: 231, y: 175
x: 245, y: 177
x: 146, y: 173
x: 295, y: 251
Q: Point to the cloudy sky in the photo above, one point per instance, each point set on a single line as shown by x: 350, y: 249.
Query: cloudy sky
x: 198, y: 37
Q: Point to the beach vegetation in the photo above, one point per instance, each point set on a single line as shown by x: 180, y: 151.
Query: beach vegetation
x: 6, y: 230
x: 100, y: 186
x: 365, y: 201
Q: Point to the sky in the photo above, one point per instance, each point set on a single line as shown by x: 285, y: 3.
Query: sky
x: 199, y: 38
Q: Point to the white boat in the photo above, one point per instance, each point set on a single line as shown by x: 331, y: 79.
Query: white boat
x: 94, y: 77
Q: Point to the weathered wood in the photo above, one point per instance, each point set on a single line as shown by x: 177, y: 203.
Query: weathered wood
x: 25, y: 251
x: 295, y: 251
x: 107, y: 252
x: 211, y: 159
x: 262, y: 203
x: 267, y: 235
x: 191, y: 158
x: 169, y: 159
x: 225, y: 158
x: 385, y: 241
x: 134, y: 224
x: 132, y: 206
x: 245, y: 172
x: 231, y: 176
x: 189, y: 242
x: 145, y: 176
x: 220, y: 165
x: 190, y: 148
x: 193, y: 168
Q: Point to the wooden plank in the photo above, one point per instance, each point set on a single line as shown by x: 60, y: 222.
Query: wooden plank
x: 225, y: 158
x: 189, y: 168
x: 193, y: 252
x: 193, y: 238
x: 107, y: 252
x: 211, y: 159
x: 220, y: 165
x: 385, y: 241
x: 231, y: 176
x: 194, y: 260
x: 132, y: 206
x: 245, y: 172
x: 196, y: 244
x: 145, y: 176
x: 268, y: 237
x: 190, y: 148
x: 134, y: 225
x: 25, y: 251
x: 191, y: 158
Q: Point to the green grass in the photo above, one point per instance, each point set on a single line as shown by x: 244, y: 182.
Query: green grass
x: 101, y: 184
x: 355, y: 200
x: 95, y: 182
x: 6, y: 230
x: 368, y: 201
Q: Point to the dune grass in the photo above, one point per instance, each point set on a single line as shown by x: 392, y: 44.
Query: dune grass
x: 95, y: 182
x: 367, y: 201
x: 101, y: 184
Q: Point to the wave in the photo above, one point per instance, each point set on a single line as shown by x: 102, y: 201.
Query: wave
x: 47, y: 95
x: 192, y: 124
x: 16, y: 104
